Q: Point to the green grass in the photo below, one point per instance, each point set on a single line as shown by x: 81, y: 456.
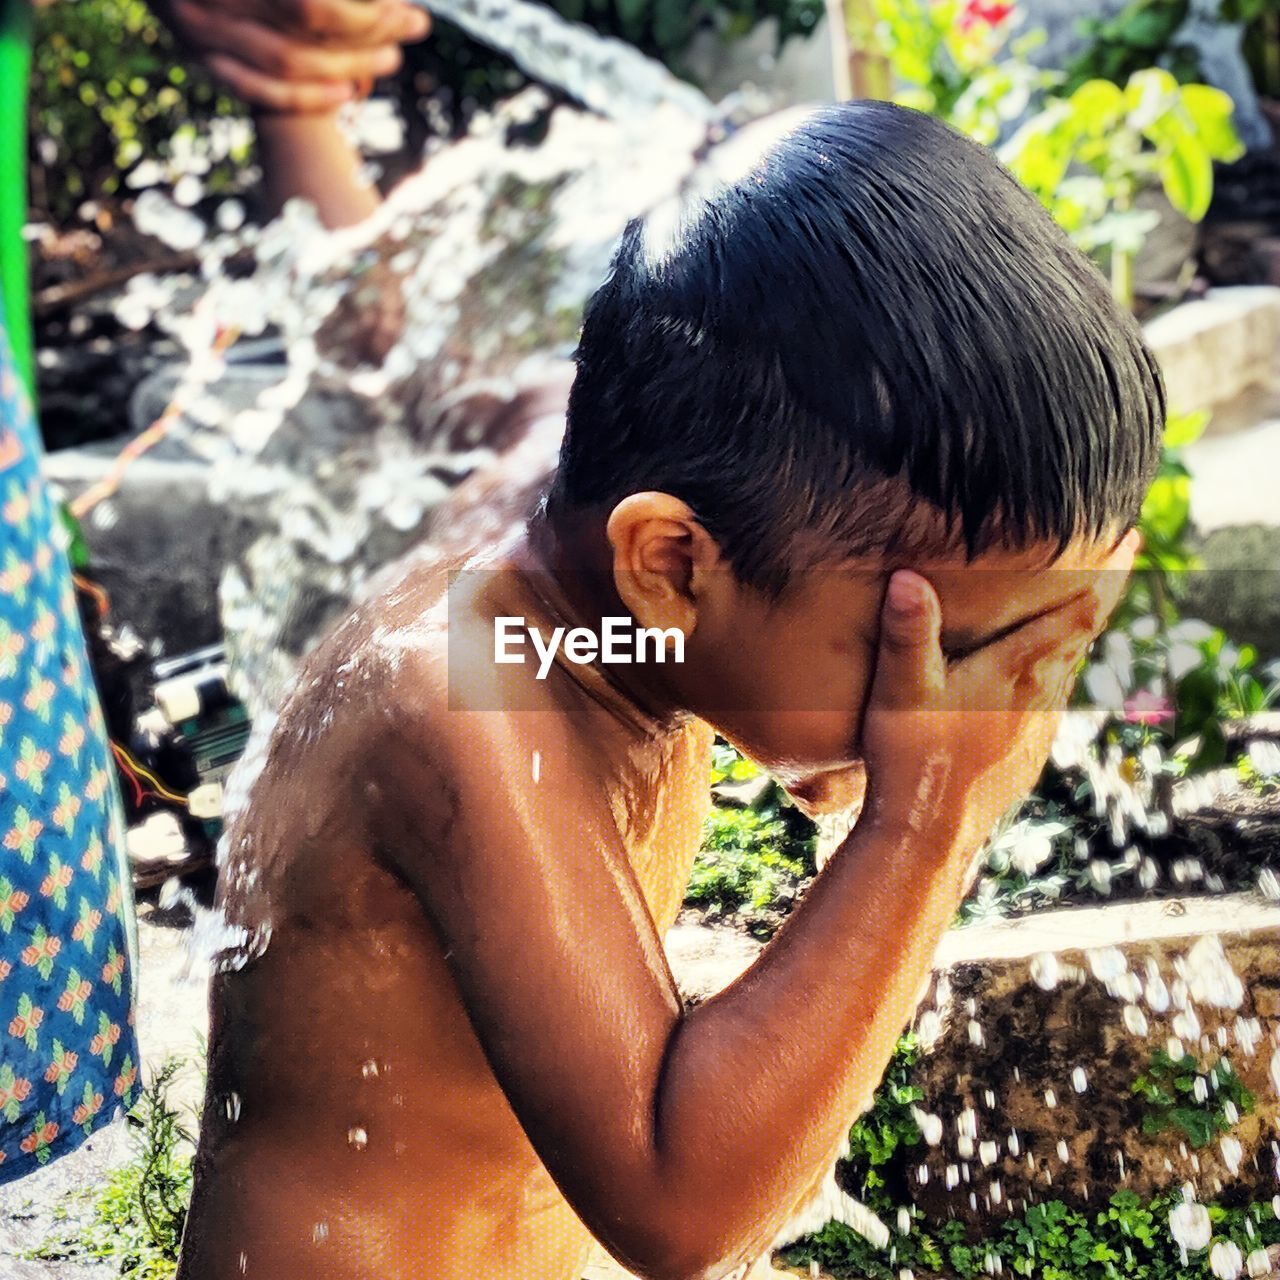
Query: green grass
x: 137, y: 1218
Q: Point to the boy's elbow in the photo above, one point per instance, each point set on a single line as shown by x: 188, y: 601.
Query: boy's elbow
x: 687, y: 1251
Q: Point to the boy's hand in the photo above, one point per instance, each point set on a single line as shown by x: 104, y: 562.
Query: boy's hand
x: 954, y: 747
x: 297, y: 56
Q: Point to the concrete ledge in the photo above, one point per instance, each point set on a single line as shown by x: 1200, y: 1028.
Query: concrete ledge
x: 1215, y: 348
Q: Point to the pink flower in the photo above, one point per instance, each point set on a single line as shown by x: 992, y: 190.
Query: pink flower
x: 1145, y: 707
x: 990, y: 13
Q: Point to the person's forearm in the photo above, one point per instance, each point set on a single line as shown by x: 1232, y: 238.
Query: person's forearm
x: 308, y: 156
x: 761, y: 1082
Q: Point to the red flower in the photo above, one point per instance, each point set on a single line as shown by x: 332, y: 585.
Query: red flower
x: 1145, y: 707
x: 990, y: 13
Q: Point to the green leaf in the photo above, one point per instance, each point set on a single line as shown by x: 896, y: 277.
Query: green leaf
x: 1148, y: 96
x: 1186, y: 173
x: 1210, y: 112
x: 1098, y: 106
x: 1182, y: 429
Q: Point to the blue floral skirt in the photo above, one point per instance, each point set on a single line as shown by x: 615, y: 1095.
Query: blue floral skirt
x: 68, y: 1051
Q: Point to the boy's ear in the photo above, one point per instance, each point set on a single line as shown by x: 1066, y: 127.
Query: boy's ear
x: 663, y: 559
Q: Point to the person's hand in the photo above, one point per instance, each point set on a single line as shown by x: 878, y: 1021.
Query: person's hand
x: 296, y: 56
x: 951, y: 748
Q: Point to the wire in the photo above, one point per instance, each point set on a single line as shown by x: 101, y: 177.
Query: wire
x: 95, y: 592
x: 138, y: 794
x: 135, y: 768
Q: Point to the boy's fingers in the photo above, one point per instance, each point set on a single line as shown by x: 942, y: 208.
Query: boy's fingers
x: 277, y: 56
x: 909, y: 663
x: 277, y: 95
x: 348, y: 22
x: 352, y: 24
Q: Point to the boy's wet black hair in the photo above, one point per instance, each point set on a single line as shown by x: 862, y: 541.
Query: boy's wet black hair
x: 877, y: 298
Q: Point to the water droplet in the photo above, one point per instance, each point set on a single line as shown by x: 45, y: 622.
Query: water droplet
x: 1135, y: 1020
x: 320, y: 1233
x: 1063, y: 1154
x: 930, y: 1126
x: 904, y: 1222
x: 1190, y: 1227
x: 1258, y: 1263
x: 1045, y: 970
x: 370, y: 1070
x: 536, y: 766
x: 988, y: 1153
x: 244, y: 1262
x: 1079, y: 1081
x: 231, y: 1106
x: 929, y: 1028
x: 1050, y: 1099
x: 1225, y: 1261
x: 357, y: 1138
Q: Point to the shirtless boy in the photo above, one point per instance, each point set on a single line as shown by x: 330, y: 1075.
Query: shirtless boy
x: 869, y: 433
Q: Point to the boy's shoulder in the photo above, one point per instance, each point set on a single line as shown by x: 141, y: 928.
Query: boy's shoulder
x: 411, y: 676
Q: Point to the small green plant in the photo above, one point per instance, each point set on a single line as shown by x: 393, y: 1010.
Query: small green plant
x: 1165, y: 520
x: 1087, y: 156
x: 960, y: 60
x: 109, y: 90
x: 756, y: 849
x: 935, y: 48
x: 137, y: 1218
x: 729, y: 765
x: 877, y: 1135
x: 746, y: 858
x: 1259, y: 768
x: 1200, y: 1104
x: 1129, y: 1239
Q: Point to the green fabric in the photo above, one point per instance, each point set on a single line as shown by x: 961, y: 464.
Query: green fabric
x: 15, y: 69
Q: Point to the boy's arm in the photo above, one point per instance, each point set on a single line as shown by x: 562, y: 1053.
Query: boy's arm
x: 295, y: 63
x: 684, y: 1139
x: 309, y: 157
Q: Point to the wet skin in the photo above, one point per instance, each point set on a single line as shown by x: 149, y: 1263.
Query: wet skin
x: 462, y: 1052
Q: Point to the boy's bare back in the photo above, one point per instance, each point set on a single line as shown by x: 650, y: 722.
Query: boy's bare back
x: 353, y: 1125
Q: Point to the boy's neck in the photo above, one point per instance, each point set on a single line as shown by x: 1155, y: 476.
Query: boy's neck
x: 570, y: 583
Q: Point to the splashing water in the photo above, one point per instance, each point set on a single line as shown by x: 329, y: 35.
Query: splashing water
x: 604, y: 74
